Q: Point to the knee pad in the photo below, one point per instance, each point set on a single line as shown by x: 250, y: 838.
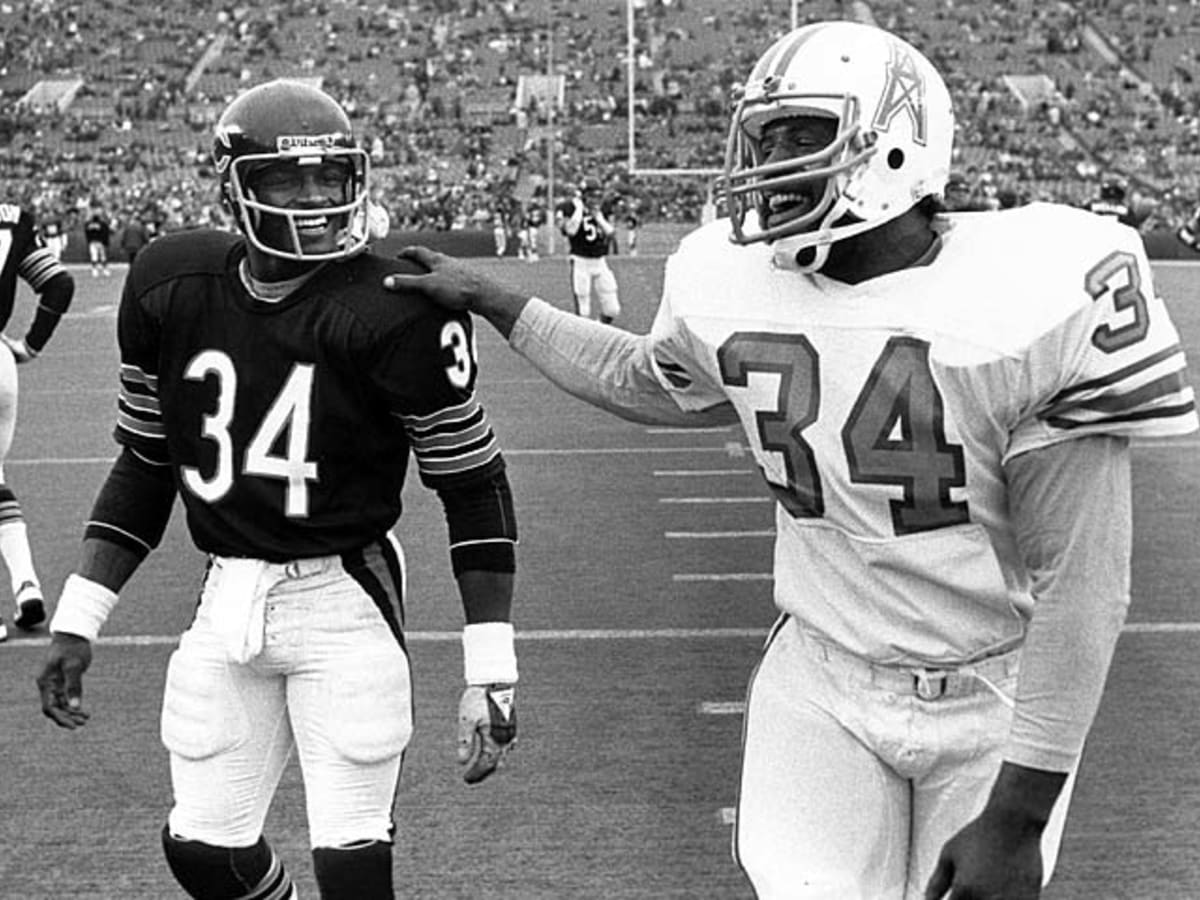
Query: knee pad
x: 359, y: 871
x: 207, y: 872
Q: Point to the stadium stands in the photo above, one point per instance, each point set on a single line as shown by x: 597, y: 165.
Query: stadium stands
x: 110, y: 104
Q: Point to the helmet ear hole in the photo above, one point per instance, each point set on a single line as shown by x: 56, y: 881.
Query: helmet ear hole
x: 895, y: 158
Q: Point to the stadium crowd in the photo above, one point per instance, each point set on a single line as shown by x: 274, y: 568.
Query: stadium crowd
x: 1050, y: 98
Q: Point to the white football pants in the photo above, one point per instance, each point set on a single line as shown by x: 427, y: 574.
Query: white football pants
x: 8, y: 404
x: 332, y: 679
x: 592, y: 275
x: 851, y: 785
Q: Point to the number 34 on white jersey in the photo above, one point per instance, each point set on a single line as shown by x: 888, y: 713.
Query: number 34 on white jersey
x: 881, y: 414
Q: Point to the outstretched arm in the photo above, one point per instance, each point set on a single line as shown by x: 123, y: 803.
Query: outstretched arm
x: 455, y: 285
x: 601, y: 364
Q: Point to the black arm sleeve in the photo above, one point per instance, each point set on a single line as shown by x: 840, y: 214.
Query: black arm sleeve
x: 54, y: 300
x: 134, y: 504
x: 482, y: 523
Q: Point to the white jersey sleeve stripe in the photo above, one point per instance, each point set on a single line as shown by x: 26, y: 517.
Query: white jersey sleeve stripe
x: 1151, y: 400
x: 1118, y: 375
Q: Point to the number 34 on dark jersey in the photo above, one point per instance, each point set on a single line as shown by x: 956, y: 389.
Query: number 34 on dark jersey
x: 288, y: 426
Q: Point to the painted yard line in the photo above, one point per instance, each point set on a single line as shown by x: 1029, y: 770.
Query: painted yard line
x: 1168, y: 444
x: 722, y: 707
x: 1161, y: 628
x: 717, y: 535
x: 703, y: 500
x: 567, y: 634
x: 601, y: 451
x: 72, y: 461
x: 579, y: 451
x: 722, y: 576
x: 689, y: 473
x: 714, y: 429
x: 546, y: 635
x: 73, y: 392
x: 732, y: 450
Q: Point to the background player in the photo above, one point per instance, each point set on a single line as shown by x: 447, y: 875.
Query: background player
x: 1114, y: 200
x: 1189, y: 232
x: 97, y: 232
x: 589, y: 232
x: 23, y: 254
x: 946, y: 434
x: 271, y: 383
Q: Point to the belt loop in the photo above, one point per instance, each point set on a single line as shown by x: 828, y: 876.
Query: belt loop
x: 930, y: 685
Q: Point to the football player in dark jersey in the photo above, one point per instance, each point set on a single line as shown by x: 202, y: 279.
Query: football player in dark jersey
x: 1114, y: 200
x: 1189, y: 231
x: 23, y: 253
x: 270, y: 382
x: 589, y: 232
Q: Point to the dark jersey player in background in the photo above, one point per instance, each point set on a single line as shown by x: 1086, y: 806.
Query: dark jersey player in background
x: 1114, y: 200
x: 24, y: 255
x: 270, y: 382
x: 585, y: 222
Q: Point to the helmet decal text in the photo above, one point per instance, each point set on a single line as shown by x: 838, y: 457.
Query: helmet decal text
x: 904, y: 92
x: 299, y: 143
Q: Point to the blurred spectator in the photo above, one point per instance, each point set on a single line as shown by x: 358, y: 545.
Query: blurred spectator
x: 962, y: 196
x: 135, y: 134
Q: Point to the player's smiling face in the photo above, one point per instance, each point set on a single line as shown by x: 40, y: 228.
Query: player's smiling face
x: 791, y: 138
x: 307, y: 188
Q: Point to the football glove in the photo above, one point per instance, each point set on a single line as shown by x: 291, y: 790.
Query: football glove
x: 487, y: 728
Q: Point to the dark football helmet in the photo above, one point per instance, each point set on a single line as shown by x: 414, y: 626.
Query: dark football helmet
x: 591, y: 190
x: 289, y: 121
x: 1112, y: 189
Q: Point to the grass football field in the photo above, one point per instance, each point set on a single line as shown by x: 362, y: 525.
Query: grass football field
x: 643, y: 597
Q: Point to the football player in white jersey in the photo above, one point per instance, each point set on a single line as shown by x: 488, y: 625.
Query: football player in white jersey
x: 942, y: 406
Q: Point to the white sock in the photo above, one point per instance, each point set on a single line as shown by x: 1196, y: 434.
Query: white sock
x: 18, y: 558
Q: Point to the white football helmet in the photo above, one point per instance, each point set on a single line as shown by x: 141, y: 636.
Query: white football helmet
x: 895, y: 129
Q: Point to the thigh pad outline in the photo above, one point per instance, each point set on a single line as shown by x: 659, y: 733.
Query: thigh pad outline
x: 368, y: 708
x: 203, y: 713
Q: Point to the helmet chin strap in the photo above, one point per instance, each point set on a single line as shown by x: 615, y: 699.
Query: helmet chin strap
x: 806, y: 260
x: 808, y: 251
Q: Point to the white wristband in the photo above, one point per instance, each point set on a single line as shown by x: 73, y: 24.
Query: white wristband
x: 82, y: 608
x: 489, y: 653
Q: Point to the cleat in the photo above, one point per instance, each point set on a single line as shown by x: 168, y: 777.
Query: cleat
x: 3, y: 631
x: 31, y: 608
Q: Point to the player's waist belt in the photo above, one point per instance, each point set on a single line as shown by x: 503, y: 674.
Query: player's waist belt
x: 927, y: 683
x: 236, y: 593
